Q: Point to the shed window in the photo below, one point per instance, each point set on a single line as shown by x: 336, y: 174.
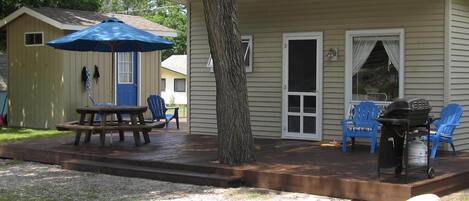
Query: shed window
x: 163, y: 84
x: 33, y: 38
x: 246, y: 45
x: 180, y: 85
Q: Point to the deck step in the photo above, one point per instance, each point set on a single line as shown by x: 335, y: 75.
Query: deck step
x: 171, y: 175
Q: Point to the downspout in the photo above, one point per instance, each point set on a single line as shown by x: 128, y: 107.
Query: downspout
x: 447, y: 60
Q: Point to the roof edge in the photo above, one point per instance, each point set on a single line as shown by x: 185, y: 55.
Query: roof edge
x: 48, y: 20
x: 185, y: 2
x: 26, y: 10
x: 173, y: 70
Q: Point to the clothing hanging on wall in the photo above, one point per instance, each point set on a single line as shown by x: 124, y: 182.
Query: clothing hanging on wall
x: 85, y: 78
x: 96, y: 74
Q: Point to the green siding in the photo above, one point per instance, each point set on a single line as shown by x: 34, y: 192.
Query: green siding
x: 35, y: 89
x: 46, y: 83
x: 266, y: 20
x: 459, y: 61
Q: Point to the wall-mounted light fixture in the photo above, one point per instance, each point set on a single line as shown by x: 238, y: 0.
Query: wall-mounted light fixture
x: 332, y: 54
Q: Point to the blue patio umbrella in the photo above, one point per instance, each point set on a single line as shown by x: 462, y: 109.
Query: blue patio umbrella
x: 111, y: 35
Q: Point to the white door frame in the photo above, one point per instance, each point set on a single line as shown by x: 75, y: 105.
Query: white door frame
x: 348, y: 60
x: 139, y: 76
x: 318, y: 36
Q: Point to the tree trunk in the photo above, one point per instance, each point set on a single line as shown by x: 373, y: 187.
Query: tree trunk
x: 235, y: 141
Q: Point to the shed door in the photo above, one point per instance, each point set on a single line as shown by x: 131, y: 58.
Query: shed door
x: 302, y: 81
x: 127, y: 79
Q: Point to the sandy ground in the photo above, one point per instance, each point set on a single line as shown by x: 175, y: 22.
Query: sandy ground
x: 34, y: 181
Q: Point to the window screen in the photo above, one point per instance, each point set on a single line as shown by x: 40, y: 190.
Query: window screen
x: 180, y: 85
x: 302, y: 65
x: 246, y: 47
x: 163, y: 84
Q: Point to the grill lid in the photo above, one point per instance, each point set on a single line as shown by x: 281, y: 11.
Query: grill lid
x: 410, y: 103
x: 415, y: 110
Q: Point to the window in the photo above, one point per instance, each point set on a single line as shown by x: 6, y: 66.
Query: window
x: 374, y: 65
x: 33, y: 38
x: 246, y: 45
x: 377, y: 79
x: 163, y: 84
x: 125, y: 67
x: 180, y: 85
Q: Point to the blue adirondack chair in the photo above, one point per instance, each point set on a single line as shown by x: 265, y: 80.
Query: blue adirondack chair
x: 444, y: 126
x: 93, y: 101
x: 158, y: 110
x: 361, y: 124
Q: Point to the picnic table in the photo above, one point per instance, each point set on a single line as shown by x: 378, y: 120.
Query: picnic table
x: 137, y: 123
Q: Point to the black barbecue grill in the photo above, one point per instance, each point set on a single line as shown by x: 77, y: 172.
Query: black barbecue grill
x: 403, y: 120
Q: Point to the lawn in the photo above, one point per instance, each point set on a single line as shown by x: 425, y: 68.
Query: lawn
x: 12, y: 134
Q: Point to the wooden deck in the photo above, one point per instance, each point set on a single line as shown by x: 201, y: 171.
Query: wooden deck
x: 288, y: 165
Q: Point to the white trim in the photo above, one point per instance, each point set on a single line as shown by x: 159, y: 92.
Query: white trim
x: 162, y: 33
x: 248, y: 38
x: 448, y: 57
x: 189, y: 66
x: 348, y: 58
x: 139, y: 76
x: 33, y: 13
x: 115, y: 77
x: 34, y: 32
x: 318, y: 36
x: 62, y: 26
x: 139, y: 79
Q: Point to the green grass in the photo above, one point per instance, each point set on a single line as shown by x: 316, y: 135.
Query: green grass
x: 13, y: 134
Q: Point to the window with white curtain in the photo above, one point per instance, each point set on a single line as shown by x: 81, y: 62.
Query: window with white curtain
x: 125, y: 68
x: 375, y: 68
x: 246, y: 45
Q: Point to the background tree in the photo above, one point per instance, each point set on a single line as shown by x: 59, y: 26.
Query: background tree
x: 172, y: 15
x: 130, y: 7
x: 235, y: 141
x: 164, y: 12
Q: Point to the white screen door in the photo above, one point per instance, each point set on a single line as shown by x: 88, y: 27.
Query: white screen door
x: 302, y: 85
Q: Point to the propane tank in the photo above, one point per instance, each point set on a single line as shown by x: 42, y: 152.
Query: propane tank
x: 417, y: 153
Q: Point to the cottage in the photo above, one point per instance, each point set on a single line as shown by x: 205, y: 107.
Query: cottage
x: 307, y: 62
x: 45, y: 85
x: 173, y: 79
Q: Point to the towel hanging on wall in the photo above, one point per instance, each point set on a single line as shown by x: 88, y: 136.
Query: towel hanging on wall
x: 96, y: 74
x: 85, y: 78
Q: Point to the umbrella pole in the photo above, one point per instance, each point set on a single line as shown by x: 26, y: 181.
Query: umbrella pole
x: 113, y: 95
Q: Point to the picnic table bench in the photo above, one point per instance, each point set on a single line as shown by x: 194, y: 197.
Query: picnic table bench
x: 136, y: 124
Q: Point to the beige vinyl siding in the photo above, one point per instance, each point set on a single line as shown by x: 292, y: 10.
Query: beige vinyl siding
x: 459, y: 60
x: 150, y: 76
x: 46, y: 86
x: 267, y: 20
x: 76, y: 95
x: 35, y: 91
